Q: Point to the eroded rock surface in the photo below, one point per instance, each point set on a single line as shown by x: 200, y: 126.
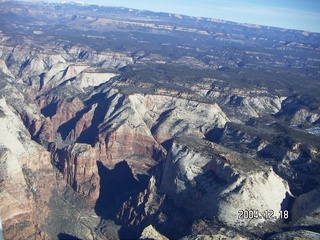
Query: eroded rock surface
x: 150, y: 233
x: 118, y: 123
x: 197, y: 174
x: 27, y: 178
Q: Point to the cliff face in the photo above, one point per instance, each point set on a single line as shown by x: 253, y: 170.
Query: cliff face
x: 197, y: 174
x: 27, y: 178
x: 306, y: 209
x: 202, y: 180
x: 138, y: 211
x: 79, y: 169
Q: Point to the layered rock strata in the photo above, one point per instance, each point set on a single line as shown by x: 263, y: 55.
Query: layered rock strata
x: 211, y: 181
x: 27, y: 178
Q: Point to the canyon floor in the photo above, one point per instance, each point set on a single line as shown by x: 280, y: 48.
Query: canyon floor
x: 117, y: 123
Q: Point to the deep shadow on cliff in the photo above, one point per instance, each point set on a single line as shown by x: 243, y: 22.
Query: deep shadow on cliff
x: 116, y: 186
x: 62, y: 236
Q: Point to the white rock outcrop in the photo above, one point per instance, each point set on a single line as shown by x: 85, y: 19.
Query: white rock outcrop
x: 26, y: 176
x: 88, y: 79
x: 212, y: 181
x: 4, y: 68
x: 169, y: 116
x: 151, y: 233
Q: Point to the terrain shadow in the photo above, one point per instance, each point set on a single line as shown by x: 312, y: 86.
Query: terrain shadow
x: 116, y: 186
x: 62, y: 236
x: 50, y: 110
x: 68, y: 126
x: 214, y: 135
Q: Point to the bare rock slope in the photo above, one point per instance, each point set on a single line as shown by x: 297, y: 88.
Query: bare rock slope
x: 211, y: 181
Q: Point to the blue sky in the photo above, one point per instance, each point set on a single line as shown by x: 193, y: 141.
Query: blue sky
x: 292, y: 14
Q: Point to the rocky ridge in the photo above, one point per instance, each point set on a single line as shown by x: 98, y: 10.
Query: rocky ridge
x: 196, y: 175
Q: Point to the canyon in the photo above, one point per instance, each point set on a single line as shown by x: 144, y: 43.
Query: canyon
x: 118, y: 123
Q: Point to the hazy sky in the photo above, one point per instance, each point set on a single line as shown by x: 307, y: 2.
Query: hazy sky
x: 293, y: 14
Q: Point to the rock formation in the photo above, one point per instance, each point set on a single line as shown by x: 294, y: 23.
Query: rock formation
x: 118, y: 123
x: 150, y: 233
x: 211, y: 181
x: 27, y: 178
x: 305, y: 209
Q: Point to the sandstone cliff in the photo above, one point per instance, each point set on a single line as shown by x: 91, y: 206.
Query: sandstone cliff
x: 26, y: 178
x: 197, y: 174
